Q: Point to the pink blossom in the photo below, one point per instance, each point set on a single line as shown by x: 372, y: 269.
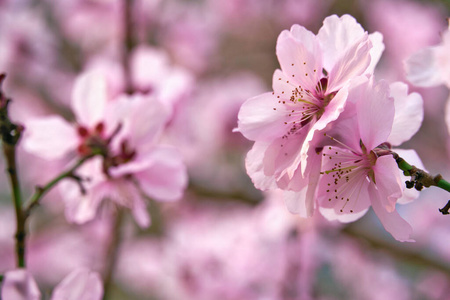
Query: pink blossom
x: 54, y: 138
x: 19, y: 284
x: 310, y: 91
x: 151, y: 72
x: 358, y: 171
x: 125, y: 130
x: 137, y: 166
x: 430, y: 66
x: 80, y: 284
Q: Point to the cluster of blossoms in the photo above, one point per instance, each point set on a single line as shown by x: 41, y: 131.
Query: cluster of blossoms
x: 324, y: 135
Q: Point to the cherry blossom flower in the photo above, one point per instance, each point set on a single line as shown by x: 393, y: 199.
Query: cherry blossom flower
x: 136, y: 168
x: 358, y: 170
x: 19, y: 284
x: 124, y: 132
x: 430, y: 66
x: 310, y: 91
x: 54, y: 138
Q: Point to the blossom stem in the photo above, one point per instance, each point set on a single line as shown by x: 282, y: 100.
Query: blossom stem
x: 421, y: 179
x: 42, y: 190
x: 112, y: 252
x: 10, y: 136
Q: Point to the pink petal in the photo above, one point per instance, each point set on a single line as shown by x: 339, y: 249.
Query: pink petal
x: 81, y: 208
x: 392, y: 222
x: 140, y: 213
x: 336, y: 36
x: 300, y: 57
x: 422, y: 68
x: 296, y: 202
x: 258, y: 120
x: 376, y: 39
x: 51, y: 138
x: 80, y: 284
x: 331, y: 215
x: 89, y: 97
x: 124, y: 193
x: 166, y: 178
x: 387, y: 181
x: 303, y: 201
x: 142, y: 119
x: 255, y: 167
x: 352, y: 63
x: 283, y: 155
x: 408, y: 113
x: 19, y: 285
x: 375, y: 113
x: 282, y: 86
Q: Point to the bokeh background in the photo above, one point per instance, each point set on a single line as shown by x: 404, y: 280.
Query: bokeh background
x: 224, y: 239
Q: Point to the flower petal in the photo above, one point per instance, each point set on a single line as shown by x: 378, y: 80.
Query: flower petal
x: 408, y: 113
x: 300, y: 57
x: 89, y: 97
x: 51, y: 138
x: 375, y: 113
x: 376, y: 39
x: 19, y: 285
x: 261, y: 118
x: 142, y: 119
x: 354, y: 62
x: 387, y: 181
x: 166, y: 178
x: 302, y: 199
x: 255, y: 167
x: 81, y: 208
x: 422, y: 68
x: 392, y: 221
x: 283, y: 154
x: 79, y: 284
x: 336, y: 36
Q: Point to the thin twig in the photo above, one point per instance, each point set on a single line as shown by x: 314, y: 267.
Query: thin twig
x: 10, y: 136
x: 112, y: 253
x: 41, y: 191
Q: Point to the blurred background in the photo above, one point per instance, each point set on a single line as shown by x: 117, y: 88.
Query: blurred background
x: 224, y: 239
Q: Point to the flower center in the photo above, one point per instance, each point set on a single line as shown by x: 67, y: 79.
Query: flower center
x: 345, y: 170
x: 92, y: 141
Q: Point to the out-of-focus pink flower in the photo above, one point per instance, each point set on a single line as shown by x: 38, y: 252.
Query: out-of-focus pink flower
x: 125, y: 131
x: 19, y: 284
x: 53, y: 137
x: 358, y: 171
x: 151, y: 72
x: 80, y: 284
x: 430, y: 66
x: 137, y: 166
x: 394, y: 19
x: 310, y: 91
